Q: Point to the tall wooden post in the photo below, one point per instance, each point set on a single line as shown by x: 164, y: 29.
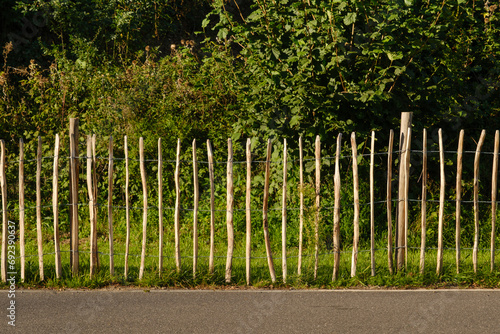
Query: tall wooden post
x: 73, y: 198
x: 404, y: 147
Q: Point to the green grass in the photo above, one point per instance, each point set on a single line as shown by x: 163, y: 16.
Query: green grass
x: 169, y: 277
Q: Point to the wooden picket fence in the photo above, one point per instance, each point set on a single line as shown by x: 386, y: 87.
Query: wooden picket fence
x: 400, y: 229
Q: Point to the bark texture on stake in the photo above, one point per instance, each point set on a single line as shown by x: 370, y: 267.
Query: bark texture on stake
x: 355, y: 241
x: 407, y: 188
x: 195, y: 209
x: 283, y: 215
x: 441, y: 205
x: 301, y: 212
x: 317, y: 203
x: 423, y: 212
x: 476, y: 200
x: 372, y: 205
x: 93, y: 262
x: 95, y: 250
x: 458, y: 204
x: 55, y: 208
x: 73, y: 183
x: 265, y: 221
x: 127, y: 206
x: 177, y: 208
x: 39, y: 207
x: 336, y: 212
x: 21, y: 209
x: 5, y: 221
x: 144, y: 206
x: 110, y: 208
x: 229, y: 211
x: 212, y: 206
x: 494, y: 178
x: 406, y: 119
x: 160, y: 208
x: 389, y: 203
x: 248, y: 210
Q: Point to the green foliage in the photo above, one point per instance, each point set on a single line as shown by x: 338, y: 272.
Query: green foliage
x: 322, y: 67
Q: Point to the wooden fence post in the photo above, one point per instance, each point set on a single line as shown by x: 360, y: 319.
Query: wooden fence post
x: 265, y: 221
x: 336, y: 211
x: 160, y: 208
x: 283, y: 215
x: 21, y: 210
x: 441, y: 205
x: 389, y: 203
x: 195, y: 209
x: 73, y: 183
x: 39, y: 208
x: 144, y: 207
x: 301, y: 209
x: 248, y: 210
x: 177, y: 208
x: 55, y: 208
x: 372, y: 205
x: 212, y: 206
x: 229, y: 211
x: 110, y: 208
x: 317, y: 205
x: 423, y: 211
x: 458, y: 204
x: 355, y: 241
x: 494, y: 178
x: 92, y: 203
x: 406, y: 120
x: 476, y: 200
x: 127, y: 205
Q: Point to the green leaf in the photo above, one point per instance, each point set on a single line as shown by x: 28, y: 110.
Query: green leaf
x: 350, y: 19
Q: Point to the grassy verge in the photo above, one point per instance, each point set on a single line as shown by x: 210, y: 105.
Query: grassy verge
x: 169, y: 277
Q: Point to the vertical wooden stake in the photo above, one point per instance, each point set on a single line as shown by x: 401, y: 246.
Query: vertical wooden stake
x: 336, y: 211
x: 458, y: 204
x: 248, y: 210
x: 283, y: 215
x: 476, y: 200
x: 406, y: 188
x: 494, y: 179
x: 229, y: 211
x: 372, y: 205
x: 177, y: 208
x: 92, y: 202
x: 73, y: 183
x: 110, y: 208
x: 21, y: 210
x: 265, y: 221
x: 389, y: 203
x: 5, y: 222
x: 441, y: 205
x: 127, y: 206
x: 55, y: 208
x: 95, y: 250
x: 39, y: 207
x: 144, y: 206
x: 423, y: 212
x: 356, y: 205
x: 160, y: 208
x: 212, y: 206
x: 317, y: 204
x: 301, y: 212
x: 406, y: 119
x: 195, y: 209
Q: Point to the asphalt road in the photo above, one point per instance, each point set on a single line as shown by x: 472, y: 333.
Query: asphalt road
x: 252, y: 311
